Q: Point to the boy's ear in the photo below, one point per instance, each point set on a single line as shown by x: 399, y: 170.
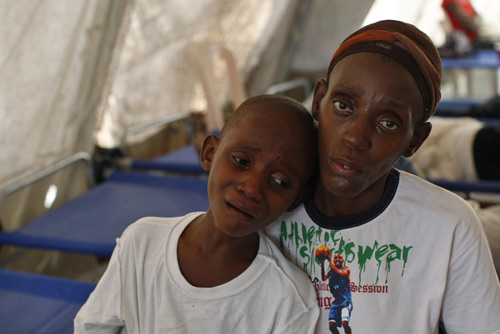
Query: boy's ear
x: 420, y: 134
x: 208, y: 151
x: 306, y: 191
x: 319, y: 93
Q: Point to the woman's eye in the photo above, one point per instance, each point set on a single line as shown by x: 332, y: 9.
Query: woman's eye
x: 241, y: 161
x: 389, y: 125
x: 279, y: 180
x: 341, y: 106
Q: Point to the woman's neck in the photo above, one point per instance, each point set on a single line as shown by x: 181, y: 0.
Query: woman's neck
x: 334, y: 206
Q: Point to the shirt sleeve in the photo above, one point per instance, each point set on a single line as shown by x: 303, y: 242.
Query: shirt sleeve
x: 471, y: 302
x: 304, y: 322
x: 102, y: 311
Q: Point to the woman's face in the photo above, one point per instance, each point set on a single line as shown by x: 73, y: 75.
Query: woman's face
x: 368, y: 117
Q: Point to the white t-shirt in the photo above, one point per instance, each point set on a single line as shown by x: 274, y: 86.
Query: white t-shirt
x: 418, y: 257
x: 144, y: 290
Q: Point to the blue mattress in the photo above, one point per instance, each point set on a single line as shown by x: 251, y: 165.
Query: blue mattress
x: 91, y: 223
x: 458, y: 103
x: 456, y: 107
x: 32, y: 303
x: 469, y: 186
x: 461, y: 107
x: 184, y: 160
x: 479, y: 59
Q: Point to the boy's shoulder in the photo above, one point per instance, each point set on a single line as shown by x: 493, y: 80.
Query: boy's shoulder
x: 150, y: 228
x: 290, y: 275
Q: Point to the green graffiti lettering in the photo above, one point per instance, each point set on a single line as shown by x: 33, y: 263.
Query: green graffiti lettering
x: 283, y: 234
x: 319, y: 232
x: 304, y: 253
x: 326, y: 237
x: 295, y: 228
x: 406, y: 251
x: 394, y: 254
x: 304, y: 240
x: 379, y: 253
x: 364, y: 256
x: 332, y: 236
x: 303, y: 231
x: 349, y: 253
x: 341, y: 246
x: 312, y: 267
x: 310, y: 235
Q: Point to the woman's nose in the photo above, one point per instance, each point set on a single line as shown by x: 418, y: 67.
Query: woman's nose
x: 356, y: 134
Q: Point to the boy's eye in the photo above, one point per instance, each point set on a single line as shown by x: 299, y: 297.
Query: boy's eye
x: 280, y: 181
x: 241, y: 161
x: 391, y: 125
x: 341, y: 106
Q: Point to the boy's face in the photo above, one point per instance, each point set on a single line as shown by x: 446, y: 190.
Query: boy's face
x: 368, y: 117
x: 258, y: 170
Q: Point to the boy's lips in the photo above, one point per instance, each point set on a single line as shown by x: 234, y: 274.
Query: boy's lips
x: 345, y: 167
x: 241, y: 211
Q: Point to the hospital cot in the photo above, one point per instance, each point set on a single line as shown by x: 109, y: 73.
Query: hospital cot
x: 455, y: 107
x: 482, y: 58
x: 203, y: 55
x: 91, y: 222
x: 32, y: 303
x: 186, y: 159
x: 485, y: 59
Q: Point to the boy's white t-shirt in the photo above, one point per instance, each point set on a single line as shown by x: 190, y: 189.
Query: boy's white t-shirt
x: 143, y: 290
x: 417, y: 258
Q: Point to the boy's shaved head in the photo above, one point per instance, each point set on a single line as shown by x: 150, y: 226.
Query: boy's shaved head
x: 263, y: 163
x: 292, y: 116
x: 281, y: 105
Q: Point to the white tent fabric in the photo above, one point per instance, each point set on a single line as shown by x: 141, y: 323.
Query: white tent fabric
x: 327, y: 24
x: 154, y: 77
x: 78, y: 74
x: 54, y: 57
x: 75, y: 74
x: 59, y: 84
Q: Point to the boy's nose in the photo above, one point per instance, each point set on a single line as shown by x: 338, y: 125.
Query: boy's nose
x: 251, y: 187
x: 356, y: 135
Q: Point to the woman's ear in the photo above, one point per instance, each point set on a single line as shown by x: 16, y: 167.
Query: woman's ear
x: 208, y: 151
x: 319, y: 93
x: 420, y: 134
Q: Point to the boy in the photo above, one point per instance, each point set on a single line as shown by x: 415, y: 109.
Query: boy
x: 213, y: 272
x: 416, y: 255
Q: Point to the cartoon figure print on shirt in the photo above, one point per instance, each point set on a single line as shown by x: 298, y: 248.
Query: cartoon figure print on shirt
x: 342, y: 269
x: 339, y: 278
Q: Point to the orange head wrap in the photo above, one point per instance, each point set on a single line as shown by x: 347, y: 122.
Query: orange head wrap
x: 408, y: 46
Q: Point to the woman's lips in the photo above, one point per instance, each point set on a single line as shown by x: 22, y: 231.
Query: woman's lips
x: 345, y: 168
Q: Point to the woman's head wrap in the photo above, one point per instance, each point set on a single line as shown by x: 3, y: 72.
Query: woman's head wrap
x: 408, y: 46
